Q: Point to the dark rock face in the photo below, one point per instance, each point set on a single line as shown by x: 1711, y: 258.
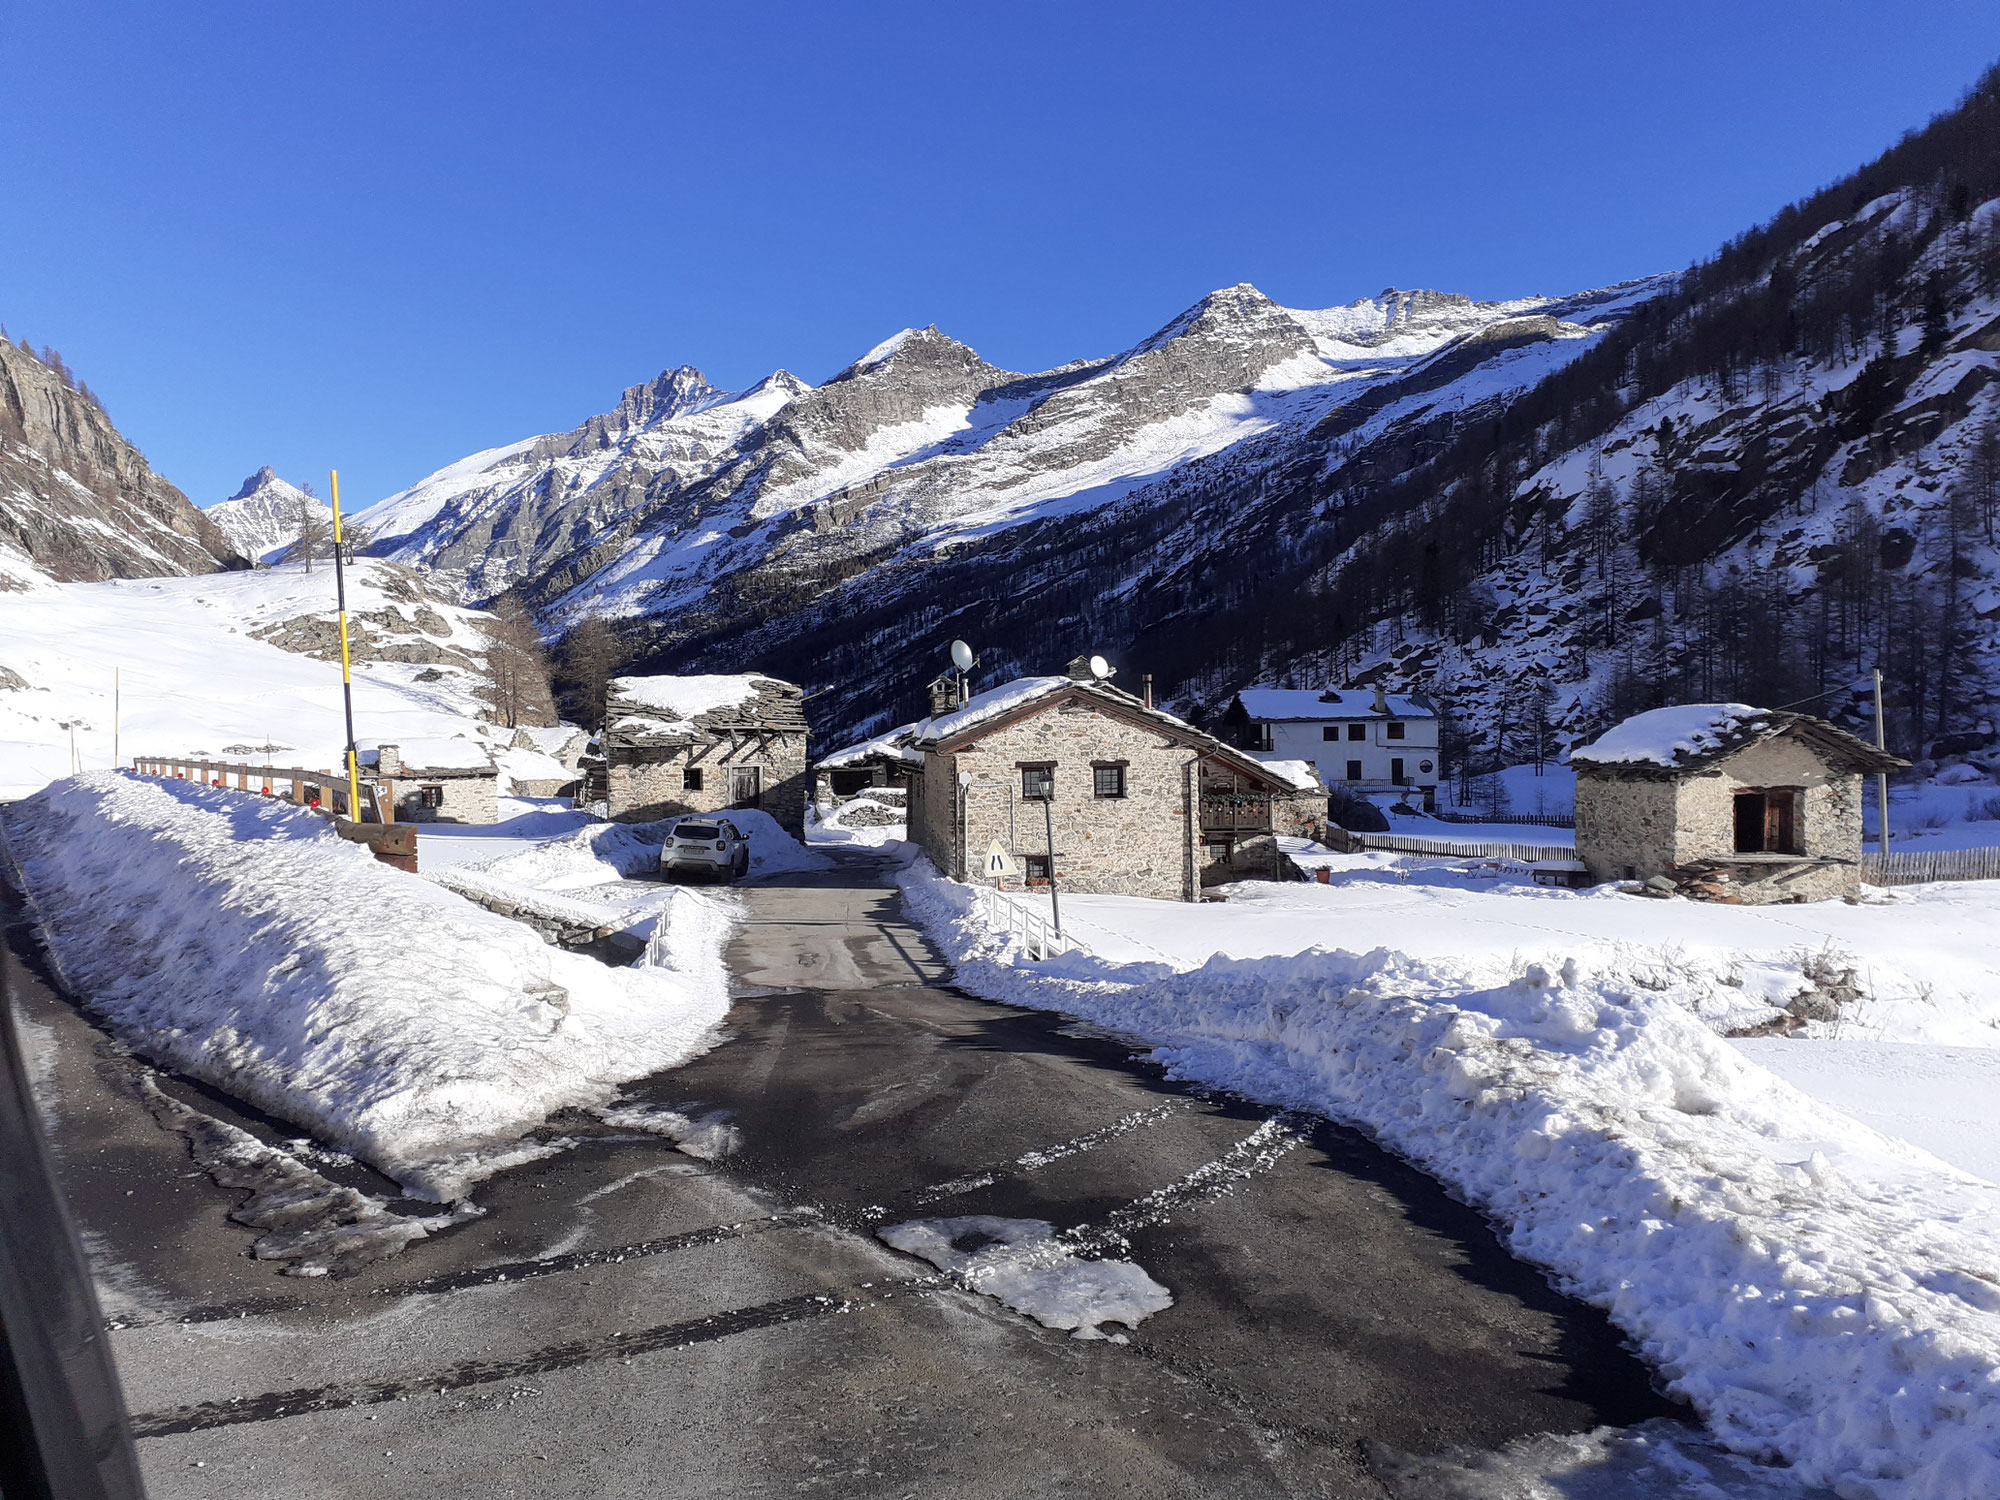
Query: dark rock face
x: 77, y: 501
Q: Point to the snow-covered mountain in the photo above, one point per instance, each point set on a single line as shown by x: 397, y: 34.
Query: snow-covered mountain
x: 79, y: 502
x: 262, y: 518
x: 696, y: 509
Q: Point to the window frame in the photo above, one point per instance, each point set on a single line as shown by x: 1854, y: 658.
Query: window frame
x: 1098, y: 771
x: 1330, y: 732
x: 431, y: 796
x: 1034, y: 869
x: 1354, y: 769
x: 1357, y: 734
x: 691, y: 779
x: 1042, y: 771
x: 1395, y: 729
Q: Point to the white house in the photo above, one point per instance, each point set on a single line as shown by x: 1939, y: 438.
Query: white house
x: 1361, y: 741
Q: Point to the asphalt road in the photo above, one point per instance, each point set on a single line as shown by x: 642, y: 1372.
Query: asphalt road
x: 627, y: 1320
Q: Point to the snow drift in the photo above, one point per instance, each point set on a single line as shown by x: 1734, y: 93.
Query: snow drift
x: 244, y: 943
x: 1823, y: 1294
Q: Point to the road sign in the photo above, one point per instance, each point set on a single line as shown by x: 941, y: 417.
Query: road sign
x: 998, y: 862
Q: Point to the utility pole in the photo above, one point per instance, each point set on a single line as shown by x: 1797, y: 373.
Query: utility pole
x: 117, y: 757
x: 346, y: 670
x: 1881, y: 777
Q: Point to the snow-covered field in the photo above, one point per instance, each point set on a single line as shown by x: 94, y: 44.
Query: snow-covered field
x: 1826, y: 1293
x: 240, y: 941
x: 191, y: 679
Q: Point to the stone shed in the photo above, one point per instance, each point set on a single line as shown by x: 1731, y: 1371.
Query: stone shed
x: 1140, y: 803
x: 676, y: 745
x: 1726, y: 801
x: 437, y: 780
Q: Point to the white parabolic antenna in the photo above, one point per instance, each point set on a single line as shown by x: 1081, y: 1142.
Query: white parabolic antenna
x: 1099, y: 668
x: 961, y: 656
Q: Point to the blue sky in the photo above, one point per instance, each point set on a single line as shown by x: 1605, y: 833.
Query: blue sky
x: 384, y: 236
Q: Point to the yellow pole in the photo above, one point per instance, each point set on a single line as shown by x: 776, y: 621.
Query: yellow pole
x: 346, y: 668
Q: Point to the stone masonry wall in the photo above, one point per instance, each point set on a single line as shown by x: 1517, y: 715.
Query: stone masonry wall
x: 466, y: 799
x: 1132, y: 845
x: 1828, y: 821
x: 647, y: 782
x: 931, y: 811
x: 1624, y: 825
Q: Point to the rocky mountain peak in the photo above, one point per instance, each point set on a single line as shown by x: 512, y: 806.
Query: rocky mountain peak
x: 77, y: 502
x: 257, y: 481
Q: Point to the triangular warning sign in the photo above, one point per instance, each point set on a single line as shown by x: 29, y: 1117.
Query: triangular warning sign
x: 997, y: 861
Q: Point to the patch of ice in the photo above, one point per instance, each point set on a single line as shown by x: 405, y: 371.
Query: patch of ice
x: 708, y: 1136
x: 1025, y: 1264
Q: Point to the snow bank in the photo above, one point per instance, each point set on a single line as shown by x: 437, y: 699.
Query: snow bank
x: 1825, y: 1295
x: 242, y: 942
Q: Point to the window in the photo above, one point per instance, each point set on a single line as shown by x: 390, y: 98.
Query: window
x: 1396, y: 771
x: 1261, y: 733
x: 430, y: 796
x: 1767, y: 822
x: 1395, y: 730
x: 1354, y: 770
x: 1331, y: 732
x: 691, y: 779
x: 1108, y: 780
x: 746, y: 785
x: 1036, y: 868
x: 1357, y: 731
x: 1038, y: 783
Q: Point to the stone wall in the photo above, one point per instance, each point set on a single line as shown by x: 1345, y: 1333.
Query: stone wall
x: 1134, y: 845
x: 1624, y: 829
x: 933, y: 807
x: 466, y: 799
x: 648, y: 782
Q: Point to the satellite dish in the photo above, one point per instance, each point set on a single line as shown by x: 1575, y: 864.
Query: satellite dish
x: 961, y: 656
x: 1099, y: 668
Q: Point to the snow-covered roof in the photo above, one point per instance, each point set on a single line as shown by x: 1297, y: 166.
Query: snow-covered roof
x: 1267, y: 705
x: 990, y: 705
x: 1688, y: 736
x: 658, y: 709
x: 427, y: 754
x: 684, y: 697
x: 891, y: 746
x: 1302, y: 774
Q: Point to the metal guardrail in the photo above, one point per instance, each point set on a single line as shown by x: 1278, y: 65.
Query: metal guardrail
x: 1039, y: 938
x: 1919, y: 866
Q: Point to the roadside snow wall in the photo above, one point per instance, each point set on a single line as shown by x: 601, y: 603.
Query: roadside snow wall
x: 1824, y: 1295
x: 242, y: 942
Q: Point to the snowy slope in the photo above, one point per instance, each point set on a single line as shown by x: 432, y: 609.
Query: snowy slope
x: 262, y: 518
x: 199, y: 669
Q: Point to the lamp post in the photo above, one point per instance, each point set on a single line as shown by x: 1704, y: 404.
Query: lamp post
x: 1049, y: 832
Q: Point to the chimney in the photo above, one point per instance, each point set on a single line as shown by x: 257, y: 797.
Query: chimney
x: 1381, y: 704
x: 1146, y: 684
x: 944, y: 696
x: 389, y: 760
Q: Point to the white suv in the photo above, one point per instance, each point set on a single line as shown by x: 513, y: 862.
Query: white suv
x: 705, y: 846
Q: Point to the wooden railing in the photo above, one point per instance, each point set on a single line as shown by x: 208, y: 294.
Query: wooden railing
x: 1401, y: 843
x: 1919, y: 866
x: 325, y: 792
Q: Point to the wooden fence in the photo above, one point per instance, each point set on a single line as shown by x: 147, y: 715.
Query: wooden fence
x: 1538, y: 820
x: 1917, y: 866
x: 1399, y: 843
x: 326, y: 790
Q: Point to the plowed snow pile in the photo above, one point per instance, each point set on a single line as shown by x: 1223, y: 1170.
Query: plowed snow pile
x: 1825, y: 1295
x: 242, y: 942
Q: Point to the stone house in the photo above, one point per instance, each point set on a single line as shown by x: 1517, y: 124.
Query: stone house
x: 1135, y: 801
x: 543, y: 761
x: 676, y: 745
x: 1726, y: 801
x: 885, y: 761
x: 437, y: 780
x: 1360, y: 741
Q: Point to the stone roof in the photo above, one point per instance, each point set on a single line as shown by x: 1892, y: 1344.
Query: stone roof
x: 700, y: 710
x: 1690, y: 737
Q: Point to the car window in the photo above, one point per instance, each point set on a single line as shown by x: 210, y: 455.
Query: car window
x: 695, y: 830
x: 731, y: 829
